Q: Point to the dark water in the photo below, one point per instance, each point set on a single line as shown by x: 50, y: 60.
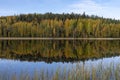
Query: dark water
x: 18, y: 57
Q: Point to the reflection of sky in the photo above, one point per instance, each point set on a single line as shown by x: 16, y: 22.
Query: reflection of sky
x: 11, y: 66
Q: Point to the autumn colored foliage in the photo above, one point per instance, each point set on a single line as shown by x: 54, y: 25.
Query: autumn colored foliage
x: 59, y: 25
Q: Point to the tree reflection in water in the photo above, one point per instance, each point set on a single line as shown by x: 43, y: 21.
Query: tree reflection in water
x: 58, y: 51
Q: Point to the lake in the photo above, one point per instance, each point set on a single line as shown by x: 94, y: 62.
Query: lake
x: 59, y: 60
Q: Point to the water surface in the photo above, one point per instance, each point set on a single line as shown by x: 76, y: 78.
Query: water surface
x: 29, y: 57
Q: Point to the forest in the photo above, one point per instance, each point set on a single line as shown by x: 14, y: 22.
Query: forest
x: 59, y: 25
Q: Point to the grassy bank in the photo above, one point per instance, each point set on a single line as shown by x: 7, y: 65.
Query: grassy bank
x: 50, y: 38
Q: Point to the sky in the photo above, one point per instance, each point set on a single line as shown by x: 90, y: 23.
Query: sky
x: 102, y: 8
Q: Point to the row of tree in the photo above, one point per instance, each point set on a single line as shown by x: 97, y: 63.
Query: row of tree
x: 58, y: 25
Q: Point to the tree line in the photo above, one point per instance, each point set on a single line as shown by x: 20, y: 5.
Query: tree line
x: 58, y: 25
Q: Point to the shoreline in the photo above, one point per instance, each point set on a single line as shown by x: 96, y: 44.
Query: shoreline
x: 38, y: 38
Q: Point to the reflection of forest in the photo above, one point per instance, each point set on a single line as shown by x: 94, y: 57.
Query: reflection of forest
x: 64, y: 51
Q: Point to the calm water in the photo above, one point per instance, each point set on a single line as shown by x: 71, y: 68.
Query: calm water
x: 28, y: 57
